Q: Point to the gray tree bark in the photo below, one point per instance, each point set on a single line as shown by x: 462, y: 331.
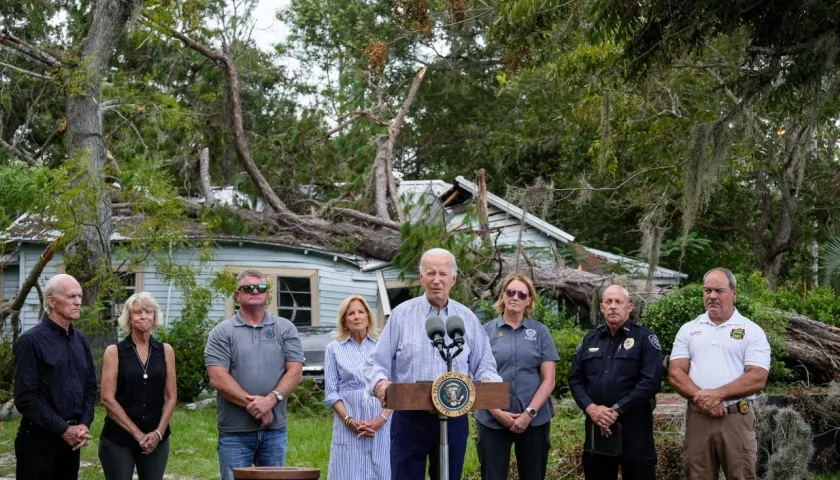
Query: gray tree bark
x: 204, y: 168
x: 92, y: 247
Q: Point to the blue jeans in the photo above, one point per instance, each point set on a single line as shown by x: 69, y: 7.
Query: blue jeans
x: 263, y: 448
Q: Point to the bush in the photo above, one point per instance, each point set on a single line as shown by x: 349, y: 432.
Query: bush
x: 188, y: 336
x: 308, y: 399
x: 566, y: 341
x: 7, y: 371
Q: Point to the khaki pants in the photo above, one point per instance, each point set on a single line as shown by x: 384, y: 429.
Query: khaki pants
x: 714, y: 443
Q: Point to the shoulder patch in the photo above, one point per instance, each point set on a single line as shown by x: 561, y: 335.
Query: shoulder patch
x: 655, y: 342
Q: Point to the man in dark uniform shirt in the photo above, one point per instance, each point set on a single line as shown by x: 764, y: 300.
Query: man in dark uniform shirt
x: 616, y: 373
x: 55, y: 388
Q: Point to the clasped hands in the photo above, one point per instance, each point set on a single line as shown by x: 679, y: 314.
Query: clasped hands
x: 366, y: 428
x: 602, y: 416
x: 711, y: 401
x: 515, y: 422
x: 77, y: 436
x: 148, y: 441
x: 260, y: 407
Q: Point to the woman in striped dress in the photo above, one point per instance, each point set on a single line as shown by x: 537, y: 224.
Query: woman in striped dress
x: 360, y: 441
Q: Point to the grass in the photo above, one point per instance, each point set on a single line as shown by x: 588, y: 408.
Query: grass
x: 194, y: 436
x: 193, y: 445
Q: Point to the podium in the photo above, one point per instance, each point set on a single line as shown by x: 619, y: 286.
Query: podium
x: 276, y: 473
x: 418, y: 396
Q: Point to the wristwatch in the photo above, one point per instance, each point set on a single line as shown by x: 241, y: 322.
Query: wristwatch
x: 278, y: 395
x: 617, y: 409
x: 531, y: 411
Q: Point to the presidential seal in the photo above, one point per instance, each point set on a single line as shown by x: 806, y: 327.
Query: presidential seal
x: 453, y: 394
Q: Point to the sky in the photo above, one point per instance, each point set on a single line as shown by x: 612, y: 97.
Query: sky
x: 268, y: 30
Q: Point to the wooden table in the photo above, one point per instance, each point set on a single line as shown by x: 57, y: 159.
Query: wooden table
x: 276, y: 473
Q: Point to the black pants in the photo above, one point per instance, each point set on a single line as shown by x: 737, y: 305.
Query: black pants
x: 118, y: 460
x: 603, y: 467
x: 43, y: 455
x: 531, y: 447
x: 415, y: 437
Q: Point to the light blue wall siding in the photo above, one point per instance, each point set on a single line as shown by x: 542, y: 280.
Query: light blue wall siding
x: 29, y: 255
x: 336, y: 278
x: 11, y: 281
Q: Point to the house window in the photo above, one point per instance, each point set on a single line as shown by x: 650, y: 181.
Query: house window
x: 129, y: 281
x: 294, y: 299
x: 293, y: 294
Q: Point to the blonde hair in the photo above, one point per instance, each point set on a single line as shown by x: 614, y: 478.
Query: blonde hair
x: 342, y: 332
x: 532, y: 294
x: 146, y: 300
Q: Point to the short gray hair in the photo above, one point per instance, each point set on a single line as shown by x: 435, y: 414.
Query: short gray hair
x: 53, y: 288
x: 733, y: 283
x: 435, y: 252
x: 250, y: 273
x: 145, y: 300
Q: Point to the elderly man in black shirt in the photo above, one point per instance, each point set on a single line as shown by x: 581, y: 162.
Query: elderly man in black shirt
x: 616, y: 373
x: 55, y: 388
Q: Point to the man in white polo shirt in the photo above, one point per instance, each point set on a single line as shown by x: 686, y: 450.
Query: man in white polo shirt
x: 720, y: 360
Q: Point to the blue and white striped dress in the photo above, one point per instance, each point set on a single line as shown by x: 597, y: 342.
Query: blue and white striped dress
x: 354, y: 458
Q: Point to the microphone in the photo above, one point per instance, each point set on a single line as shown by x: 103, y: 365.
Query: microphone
x: 455, y: 329
x: 435, y: 331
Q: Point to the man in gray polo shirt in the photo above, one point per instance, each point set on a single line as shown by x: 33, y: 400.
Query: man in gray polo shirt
x: 254, y: 360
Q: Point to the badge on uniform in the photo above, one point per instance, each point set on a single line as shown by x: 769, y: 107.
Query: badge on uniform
x: 737, y: 333
x: 655, y: 342
x: 628, y: 344
x: 593, y: 349
x: 743, y: 405
x: 501, y: 334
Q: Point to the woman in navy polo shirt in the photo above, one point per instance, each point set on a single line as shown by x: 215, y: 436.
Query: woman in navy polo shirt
x: 525, y: 357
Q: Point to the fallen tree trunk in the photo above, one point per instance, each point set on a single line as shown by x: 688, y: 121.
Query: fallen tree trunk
x: 814, y: 345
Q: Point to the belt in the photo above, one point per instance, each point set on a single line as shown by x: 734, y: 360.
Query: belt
x: 742, y: 406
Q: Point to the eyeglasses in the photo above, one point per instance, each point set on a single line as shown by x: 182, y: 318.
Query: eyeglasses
x: 261, y: 288
x: 516, y: 293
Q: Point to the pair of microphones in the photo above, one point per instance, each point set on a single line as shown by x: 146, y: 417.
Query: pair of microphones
x: 436, y: 330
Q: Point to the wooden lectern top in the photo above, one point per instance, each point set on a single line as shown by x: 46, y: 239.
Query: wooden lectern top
x: 276, y: 473
x: 418, y: 396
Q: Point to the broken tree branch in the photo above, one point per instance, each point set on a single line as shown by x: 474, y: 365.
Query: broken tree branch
x: 20, y: 154
x: 387, y: 223
x: 26, y: 72
x: 50, y: 141
x: 16, y: 303
x: 234, y: 106
x: 28, y: 52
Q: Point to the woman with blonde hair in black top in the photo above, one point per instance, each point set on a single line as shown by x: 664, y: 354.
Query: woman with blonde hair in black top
x: 139, y: 393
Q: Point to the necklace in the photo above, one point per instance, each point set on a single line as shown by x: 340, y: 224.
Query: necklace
x: 139, y: 359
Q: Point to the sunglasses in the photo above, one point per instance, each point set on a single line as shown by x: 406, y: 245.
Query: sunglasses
x: 261, y: 288
x: 516, y: 293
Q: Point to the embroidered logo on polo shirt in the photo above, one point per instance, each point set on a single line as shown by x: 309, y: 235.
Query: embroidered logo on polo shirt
x: 530, y: 334
x: 269, y: 333
x: 737, y: 333
x: 697, y: 332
